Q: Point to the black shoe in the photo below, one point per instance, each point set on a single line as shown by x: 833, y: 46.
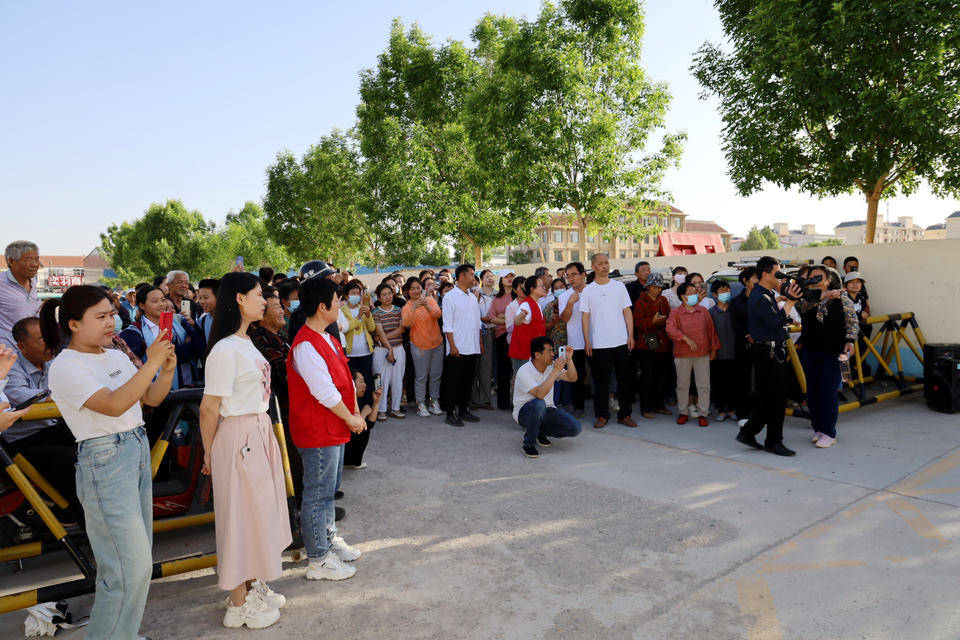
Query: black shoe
x: 453, y: 420
x: 543, y: 442
x: 469, y: 417
x: 531, y: 451
x: 338, y: 495
x: 340, y: 514
x: 749, y: 440
x: 780, y: 450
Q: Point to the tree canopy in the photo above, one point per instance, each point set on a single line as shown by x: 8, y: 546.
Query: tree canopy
x: 841, y: 96
x: 758, y: 239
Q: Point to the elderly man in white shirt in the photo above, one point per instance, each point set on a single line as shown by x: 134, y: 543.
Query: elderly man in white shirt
x: 461, y: 327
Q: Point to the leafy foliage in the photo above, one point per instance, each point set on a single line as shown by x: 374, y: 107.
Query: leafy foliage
x: 759, y: 239
x: 832, y: 97
x: 829, y: 242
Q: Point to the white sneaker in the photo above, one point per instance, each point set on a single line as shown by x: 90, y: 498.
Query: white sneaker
x: 422, y: 410
x: 435, y: 408
x: 720, y: 417
x: 362, y: 465
x: 816, y: 437
x: 692, y: 411
x: 344, y: 551
x: 329, y: 567
x: 742, y: 423
x: 254, y: 613
x: 268, y: 595
x: 825, y: 441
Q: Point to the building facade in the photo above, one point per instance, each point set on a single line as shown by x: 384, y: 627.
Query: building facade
x: 806, y: 234
x: 935, y: 232
x: 952, y: 225
x: 903, y: 230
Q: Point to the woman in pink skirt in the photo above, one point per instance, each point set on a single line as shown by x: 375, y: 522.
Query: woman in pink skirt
x: 243, y: 458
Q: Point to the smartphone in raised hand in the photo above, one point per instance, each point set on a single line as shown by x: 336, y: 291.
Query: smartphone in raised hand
x: 377, y: 382
x: 166, y: 325
x: 185, y: 308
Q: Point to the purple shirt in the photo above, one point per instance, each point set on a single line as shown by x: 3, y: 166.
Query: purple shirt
x: 16, y: 303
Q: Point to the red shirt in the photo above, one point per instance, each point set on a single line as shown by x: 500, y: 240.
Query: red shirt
x: 696, y: 324
x: 643, y: 311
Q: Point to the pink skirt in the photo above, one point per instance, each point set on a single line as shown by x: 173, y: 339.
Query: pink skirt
x: 249, y: 501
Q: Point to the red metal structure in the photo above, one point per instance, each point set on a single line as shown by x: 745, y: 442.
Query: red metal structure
x: 685, y: 244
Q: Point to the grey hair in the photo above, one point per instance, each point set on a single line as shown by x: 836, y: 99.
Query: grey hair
x: 17, y: 248
x: 174, y: 274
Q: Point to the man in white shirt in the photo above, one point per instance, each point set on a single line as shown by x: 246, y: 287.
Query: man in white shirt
x: 607, y: 318
x: 570, y: 314
x: 461, y: 327
x: 533, y: 407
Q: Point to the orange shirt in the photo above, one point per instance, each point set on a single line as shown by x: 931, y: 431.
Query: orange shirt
x: 424, y: 329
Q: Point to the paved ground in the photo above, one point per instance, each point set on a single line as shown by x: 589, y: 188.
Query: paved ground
x: 656, y: 532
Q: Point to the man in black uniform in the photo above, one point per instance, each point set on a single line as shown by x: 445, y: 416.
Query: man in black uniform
x: 766, y: 326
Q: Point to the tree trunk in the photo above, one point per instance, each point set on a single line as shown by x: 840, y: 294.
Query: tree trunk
x: 543, y: 256
x: 873, y: 204
x: 477, y: 255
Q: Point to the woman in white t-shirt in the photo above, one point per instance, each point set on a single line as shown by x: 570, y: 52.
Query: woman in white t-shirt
x: 243, y: 458
x: 98, y: 392
x: 510, y: 314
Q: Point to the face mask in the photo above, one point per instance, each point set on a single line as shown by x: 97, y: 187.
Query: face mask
x: 724, y: 297
x: 294, y: 305
x: 680, y: 278
x: 117, y: 323
x: 692, y: 299
x: 353, y: 300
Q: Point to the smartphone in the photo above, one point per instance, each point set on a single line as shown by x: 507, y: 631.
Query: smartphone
x: 562, y: 352
x: 240, y: 262
x: 185, y: 307
x: 166, y: 324
x: 366, y: 299
x: 29, y: 401
x: 377, y: 382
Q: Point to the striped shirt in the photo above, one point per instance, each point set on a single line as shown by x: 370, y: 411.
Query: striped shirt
x: 389, y: 321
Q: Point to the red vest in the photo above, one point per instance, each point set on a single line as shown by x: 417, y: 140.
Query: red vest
x: 524, y: 333
x: 312, y: 425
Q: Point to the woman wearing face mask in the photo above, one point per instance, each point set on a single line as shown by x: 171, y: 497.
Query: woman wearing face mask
x: 557, y: 332
x: 498, y: 315
x: 695, y: 344
x: 829, y: 329
x: 144, y: 331
x: 679, y: 277
x: 723, y: 368
x: 289, y: 292
x: 99, y: 392
x: 702, y: 292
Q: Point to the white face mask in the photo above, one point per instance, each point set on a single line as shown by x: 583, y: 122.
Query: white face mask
x: 680, y: 278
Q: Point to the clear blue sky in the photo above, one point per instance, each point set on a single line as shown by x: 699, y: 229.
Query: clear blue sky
x: 110, y: 106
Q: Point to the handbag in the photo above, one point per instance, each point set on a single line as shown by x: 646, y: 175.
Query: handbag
x: 652, y: 340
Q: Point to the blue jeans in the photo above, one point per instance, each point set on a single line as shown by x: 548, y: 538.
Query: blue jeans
x: 322, y: 468
x: 536, y: 418
x: 822, y: 371
x: 115, y: 487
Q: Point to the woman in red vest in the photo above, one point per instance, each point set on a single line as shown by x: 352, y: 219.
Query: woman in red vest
x: 528, y: 323
x: 323, y: 413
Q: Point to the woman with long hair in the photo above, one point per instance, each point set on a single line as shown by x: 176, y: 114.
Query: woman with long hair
x: 98, y: 392
x: 497, y: 315
x: 243, y: 459
x: 389, y: 359
x: 420, y: 316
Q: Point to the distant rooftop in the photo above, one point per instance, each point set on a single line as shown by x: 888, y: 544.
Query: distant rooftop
x: 704, y: 226
x: 955, y: 214
x: 852, y: 223
x: 941, y: 225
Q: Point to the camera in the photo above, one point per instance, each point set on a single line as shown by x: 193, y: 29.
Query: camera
x: 805, y: 284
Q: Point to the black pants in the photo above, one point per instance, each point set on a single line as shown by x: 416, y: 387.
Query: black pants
x: 744, y: 399
x: 504, y: 371
x: 353, y: 450
x: 615, y: 359
x: 723, y: 384
x: 654, y: 376
x: 409, y: 374
x: 581, y: 387
x: 457, y: 381
x: 53, y: 451
x: 771, y: 395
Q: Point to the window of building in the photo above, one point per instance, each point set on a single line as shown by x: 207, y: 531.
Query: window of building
x: 623, y: 254
x: 558, y: 256
x: 656, y: 241
x: 574, y: 236
x: 636, y: 254
x: 591, y: 238
x: 574, y: 256
x: 543, y: 236
x: 677, y: 222
x: 558, y: 236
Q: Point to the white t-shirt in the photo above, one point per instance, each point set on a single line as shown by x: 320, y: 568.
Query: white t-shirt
x: 525, y: 306
x: 528, y: 378
x: 239, y: 375
x: 672, y: 298
x: 508, y: 316
x: 575, y: 323
x: 74, y: 377
x: 360, y: 346
x: 605, y: 304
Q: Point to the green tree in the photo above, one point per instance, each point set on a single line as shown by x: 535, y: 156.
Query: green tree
x: 245, y: 234
x: 520, y: 257
x: 565, y: 112
x: 759, y: 239
x: 437, y: 256
x: 770, y: 238
x: 168, y: 236
x: 829, y: 242
x: 836, y: 97
x: 419, y: 161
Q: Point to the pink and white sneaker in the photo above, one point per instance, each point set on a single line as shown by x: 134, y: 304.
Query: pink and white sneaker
x: 825, y: 441
x: 817, y: 436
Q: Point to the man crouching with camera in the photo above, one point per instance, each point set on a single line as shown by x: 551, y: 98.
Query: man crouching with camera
x: 829, y: 330
x: 766, y: 324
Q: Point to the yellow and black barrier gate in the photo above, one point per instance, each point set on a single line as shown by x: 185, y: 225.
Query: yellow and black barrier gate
x: 25, y: 476
x: 885, y: 348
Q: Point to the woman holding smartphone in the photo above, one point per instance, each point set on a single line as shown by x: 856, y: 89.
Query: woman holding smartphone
x: 98, y: 392
x: 242, y: 456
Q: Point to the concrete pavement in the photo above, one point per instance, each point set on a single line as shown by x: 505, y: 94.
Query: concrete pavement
x: 656, y: 532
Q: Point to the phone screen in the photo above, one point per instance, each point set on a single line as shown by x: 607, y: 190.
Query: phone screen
x: 240, y: 261
x: 30, y: 401
x: 185, y: 307
x: 377, y: 382
x: 166, y: 324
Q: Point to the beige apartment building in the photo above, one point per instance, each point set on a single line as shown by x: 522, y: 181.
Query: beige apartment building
x: 903, y: 230
x: 560, y: 239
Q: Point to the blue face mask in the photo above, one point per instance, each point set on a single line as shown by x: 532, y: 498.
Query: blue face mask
x: 117, y: 323
x: 294, y: 305
x: 692, y: 299
x: 353, y: 300
x: 724, y: 297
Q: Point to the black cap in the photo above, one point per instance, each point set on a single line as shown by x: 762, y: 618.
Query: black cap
x: 315, y: 268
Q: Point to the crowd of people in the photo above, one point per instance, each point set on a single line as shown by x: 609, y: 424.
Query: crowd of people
x: 339, y: 357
